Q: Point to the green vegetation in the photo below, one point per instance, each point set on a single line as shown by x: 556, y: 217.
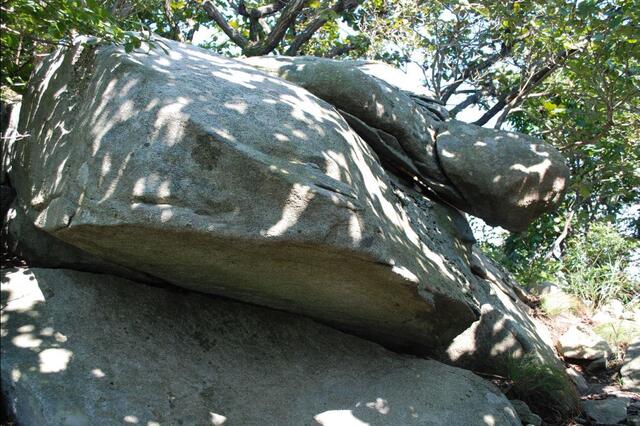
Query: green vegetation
x: 548, y: 391
x: 594, y: 267
x: 558, y: 303
x: 618, y: 333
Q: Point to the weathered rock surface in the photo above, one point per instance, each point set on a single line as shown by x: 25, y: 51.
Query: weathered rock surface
x: 40, y: 249
x: 171, y: 165
x: 506, y: 178
x: 504, y: 330
x: 578, y: 379
x: 527, y: 416
x: 581, y: 343
x: 81, y: 348
x: 630, y: 370
x: 352, y: 87
x: 608, y: 411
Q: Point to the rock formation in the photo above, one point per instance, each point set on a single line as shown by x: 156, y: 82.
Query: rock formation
x: 505, y: 178
x: 171, y: 358
x: 305, y: 185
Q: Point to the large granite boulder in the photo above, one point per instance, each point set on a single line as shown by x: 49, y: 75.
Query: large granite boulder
x: 505, y: 178
x: 36, y: 247
x: 210, y: 174
x: 87, y: 349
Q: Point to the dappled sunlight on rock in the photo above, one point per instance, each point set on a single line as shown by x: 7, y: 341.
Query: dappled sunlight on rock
x: 296, y: 203
x: 234, y: 364
x: 192, y: 160
x: 338, y: 417
x: 218, y: 419
x: 456, y: 161
x: 54, y: 360
x: 507, y: 179
x: 206, y: 173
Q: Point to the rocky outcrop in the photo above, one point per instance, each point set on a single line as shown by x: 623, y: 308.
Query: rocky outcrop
x: 505, y: 178
x: 81, y: 348
x: 209, y: 174
x: 505, y: 330
x: 39, y: 248
x: 526, y: 415
x: 606, y: 411
x: 170, y: 165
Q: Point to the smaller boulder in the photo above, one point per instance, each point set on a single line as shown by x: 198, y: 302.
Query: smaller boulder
x: 558, y: 303
x: 527, y: 416
x: 609, y: 411
x: 615, y: 308
x: 578, y: 379
x: 597, y: 365
x: 507, y: 178
x: 544, y: 288
x: 630, y: 370
x: 580, y: 342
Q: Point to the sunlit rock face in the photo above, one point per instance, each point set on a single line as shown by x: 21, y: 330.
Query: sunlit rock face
x: 92, y: 349
x: 209, y: 174
x: 506, y: 178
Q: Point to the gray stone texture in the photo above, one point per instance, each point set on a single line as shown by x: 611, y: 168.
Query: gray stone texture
x: 88, y: 349
x: 506, y: 178
x: 630, y: 370
x: 211, y: 175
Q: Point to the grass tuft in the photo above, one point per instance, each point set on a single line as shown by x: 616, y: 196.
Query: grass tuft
x: 547, y: 390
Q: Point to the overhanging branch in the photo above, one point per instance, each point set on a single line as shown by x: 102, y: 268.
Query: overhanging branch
x: 323, y: 17
x: 511, y: 99
x: 214, y: 14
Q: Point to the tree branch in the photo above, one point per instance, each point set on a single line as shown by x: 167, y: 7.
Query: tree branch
x: 214, y: 14
x: 322, y: 18
x: 471, y: 99
x: 340, y: 50
x: 473, y: 70
x: 270, y: 9
x: 512, y: 98
x: 175, y: 33
x: 288, y: 15
x: 556, y: 247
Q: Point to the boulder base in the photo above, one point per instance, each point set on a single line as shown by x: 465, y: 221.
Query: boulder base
x: 80, y: 348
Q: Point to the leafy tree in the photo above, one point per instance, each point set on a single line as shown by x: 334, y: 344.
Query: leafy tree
x: 590, y: 110
x: 567, y: 72
x: 32, y: 27
x: 594, y: 266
